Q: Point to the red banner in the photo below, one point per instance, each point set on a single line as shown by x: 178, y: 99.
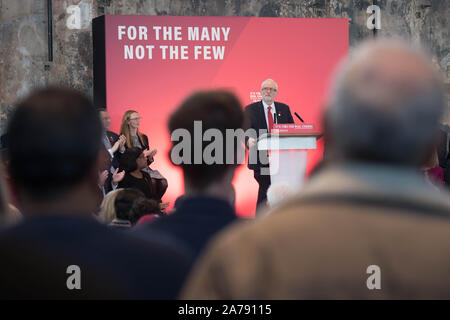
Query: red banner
x: 154, y: 62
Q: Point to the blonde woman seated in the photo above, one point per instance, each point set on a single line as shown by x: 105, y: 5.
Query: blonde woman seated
x: 107, y: 210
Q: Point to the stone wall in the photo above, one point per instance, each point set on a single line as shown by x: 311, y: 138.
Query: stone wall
x: 24, y: 61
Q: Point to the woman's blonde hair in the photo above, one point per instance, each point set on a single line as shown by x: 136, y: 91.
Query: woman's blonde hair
x: 107, y: 211
x: 125, y: 129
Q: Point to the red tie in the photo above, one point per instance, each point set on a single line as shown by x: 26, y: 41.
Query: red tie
x: 270, y: 118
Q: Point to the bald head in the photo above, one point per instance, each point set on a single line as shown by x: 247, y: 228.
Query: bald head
x: 385, y: 105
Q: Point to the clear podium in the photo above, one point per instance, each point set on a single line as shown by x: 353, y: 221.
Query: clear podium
x: 288, y: 156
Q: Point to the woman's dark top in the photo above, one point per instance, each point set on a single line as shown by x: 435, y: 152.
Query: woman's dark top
x: 143, y: 184
x: 152, y: 188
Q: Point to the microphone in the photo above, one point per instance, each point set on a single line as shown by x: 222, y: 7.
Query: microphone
x: 298, y: 117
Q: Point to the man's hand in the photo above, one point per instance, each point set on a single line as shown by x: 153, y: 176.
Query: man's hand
x: 120, y: 143
x: 102, y: 176
x: 117, y: 176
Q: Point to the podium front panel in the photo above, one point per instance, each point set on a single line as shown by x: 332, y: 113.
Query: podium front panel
x: 288, y: 167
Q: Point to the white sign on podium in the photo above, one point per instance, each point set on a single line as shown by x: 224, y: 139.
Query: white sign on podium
x: 288, y: 156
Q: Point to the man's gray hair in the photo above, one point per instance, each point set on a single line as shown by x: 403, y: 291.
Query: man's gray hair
x: 269, y: 80
x: 385, y: 104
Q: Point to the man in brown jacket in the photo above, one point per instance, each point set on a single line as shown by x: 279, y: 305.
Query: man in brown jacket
x: 367, y: 225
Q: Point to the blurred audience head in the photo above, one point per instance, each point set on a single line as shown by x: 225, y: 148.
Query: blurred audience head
x: 124, y: 202
x: 105, y: 118
x: 144, y: 207
x: 54, y: 143
x: 385, y: 105
x: 132, y: 159
x: 279, y: 192
x: 107, y: 211
x: 218, y: 110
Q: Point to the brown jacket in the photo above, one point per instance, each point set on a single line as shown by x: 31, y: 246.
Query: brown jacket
x: 320, y: 244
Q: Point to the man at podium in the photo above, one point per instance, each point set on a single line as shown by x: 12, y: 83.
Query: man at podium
x: 261, y: 116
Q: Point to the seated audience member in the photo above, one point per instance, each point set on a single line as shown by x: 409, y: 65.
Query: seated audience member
x: 144, y: 210
x: 208, y: 203
x: 59, y: 251
x: 107, y: 211
x: 130, y: 205
x: 368, y: 219
x: 132, y: 162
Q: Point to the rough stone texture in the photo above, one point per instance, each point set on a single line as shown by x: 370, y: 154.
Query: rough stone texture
x: 23, y: 33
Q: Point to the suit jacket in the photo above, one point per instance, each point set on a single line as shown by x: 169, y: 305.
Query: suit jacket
x: 320, y: 244
x: 112, y: 137
x: 194, y: 222
x: 143, y: 139
x: 114, y: 265
x: 256, y: 118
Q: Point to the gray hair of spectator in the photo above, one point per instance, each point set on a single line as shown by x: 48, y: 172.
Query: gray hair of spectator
x: 376, y: 115
x: 269, y: 80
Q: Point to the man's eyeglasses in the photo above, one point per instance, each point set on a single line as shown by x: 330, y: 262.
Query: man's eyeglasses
x: 269, y: 89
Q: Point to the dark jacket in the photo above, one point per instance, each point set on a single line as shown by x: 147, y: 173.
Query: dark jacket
x: 257, y: 120
x: 35, y: 256
x: 113, y: 137
x: 143, y: 139
x: 194, y: 222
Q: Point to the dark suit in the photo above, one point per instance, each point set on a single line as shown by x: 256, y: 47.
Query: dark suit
x: 114, y: 163
x: 256, y: 117
x: 113, y: 137
x: 36, y: 253
x: 194, y: 222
